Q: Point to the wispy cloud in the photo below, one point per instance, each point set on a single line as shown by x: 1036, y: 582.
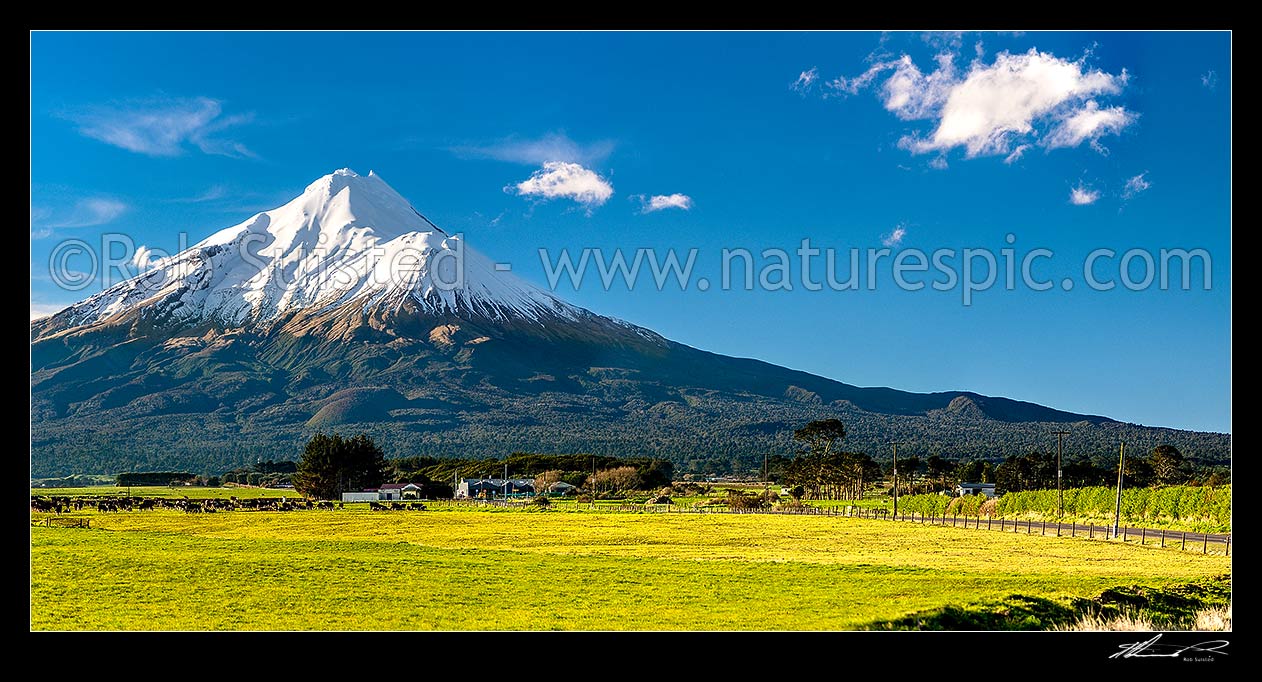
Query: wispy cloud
x: 81, y: 213
x: 943, y: 40
x: 212, y: 193
x: 163, y: 126
x: 1016, y: 154
x: 895, y: 236
x: 1088, y: 123
x: 1083, y: 195
x: 39, y: 310
x: 994, y: 109
x: 1209, y: 80
x: 561, y: 180
x: 39, y: 216
x: 661, y: 202
x: 806, y: 80
x: 540, y: 150
x: 1136, y: 185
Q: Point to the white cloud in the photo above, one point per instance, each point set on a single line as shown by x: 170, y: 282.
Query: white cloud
x: 659, y: 202
x: 1083, y: 196
x: 895, y: 237
x: 537, y: 151
x: 39, y: 310
x: 83, y: 213
x: 1016, y: 154
x: 1088, y: 123
x: 561, y: 180
x: 1136, y: 185
x: 143, y: 258
x: 995, y: 108
x: 805, y: 80
x: 1209, y: 80
x: 163, y: 126
x: 939, y: 163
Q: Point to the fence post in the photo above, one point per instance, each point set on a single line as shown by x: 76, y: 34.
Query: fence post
x: 1205, y: 547
x: 1143, y: 535
x: 1125, y: 534
x: 1227, y: 546
x: 1029, y: 527
x: 1058, y: 529
x: 1042, y: 528
x: 1163, y: 538
x: 988, y: 520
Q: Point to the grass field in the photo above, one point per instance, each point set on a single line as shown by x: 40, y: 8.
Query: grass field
x: 461, y: 570
x: 166, y: 491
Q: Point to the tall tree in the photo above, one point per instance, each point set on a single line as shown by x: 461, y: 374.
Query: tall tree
x: 821, y: 435
x: 939, y: 469
x: 331, y: 465
x: 1168, y: 466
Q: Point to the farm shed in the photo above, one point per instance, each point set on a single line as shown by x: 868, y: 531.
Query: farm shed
x: 987, y: 489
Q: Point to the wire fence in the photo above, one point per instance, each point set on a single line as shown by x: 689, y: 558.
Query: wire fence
x: 1205, y: 543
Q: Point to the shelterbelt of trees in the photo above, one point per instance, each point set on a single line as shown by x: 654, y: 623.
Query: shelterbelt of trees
x: 824, y: 470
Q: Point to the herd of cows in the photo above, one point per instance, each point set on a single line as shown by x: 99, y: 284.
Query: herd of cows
x: 60, y: 504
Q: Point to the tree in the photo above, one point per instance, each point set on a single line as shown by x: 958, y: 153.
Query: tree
x: 1138, y: 473
x: 974, y: 471
x: 821, y: 435
x: 331, y: 465
x: 939, y: 469
x: 1168, y: 465
x: 545, y: 480
x: 617, y: 479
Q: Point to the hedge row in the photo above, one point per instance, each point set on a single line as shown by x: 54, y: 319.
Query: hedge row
x: 1175, y: 503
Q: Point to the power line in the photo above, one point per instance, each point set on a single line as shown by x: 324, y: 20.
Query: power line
x: 896, y: 444
x: 1060, y: 493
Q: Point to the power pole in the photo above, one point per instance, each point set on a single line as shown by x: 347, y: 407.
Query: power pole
x: 895, y: 444
x: 1060, y: 492
x: 506, y: 481
x: 1121, y: 472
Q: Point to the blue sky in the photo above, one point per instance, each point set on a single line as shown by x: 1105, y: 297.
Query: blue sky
x: 1067, y: 141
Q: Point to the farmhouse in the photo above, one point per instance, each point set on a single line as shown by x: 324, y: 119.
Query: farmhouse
x: 388, y: 491
x: 987, y: 489
x: 495, y: 488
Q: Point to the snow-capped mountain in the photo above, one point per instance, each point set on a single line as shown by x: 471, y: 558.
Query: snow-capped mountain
x: 347, y: 239
x: 345, y: 309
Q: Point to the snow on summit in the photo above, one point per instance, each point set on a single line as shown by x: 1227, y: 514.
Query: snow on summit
x: 347, y: 238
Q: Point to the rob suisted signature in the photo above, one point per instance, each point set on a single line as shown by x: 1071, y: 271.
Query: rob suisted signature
x: 1151, y: 649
